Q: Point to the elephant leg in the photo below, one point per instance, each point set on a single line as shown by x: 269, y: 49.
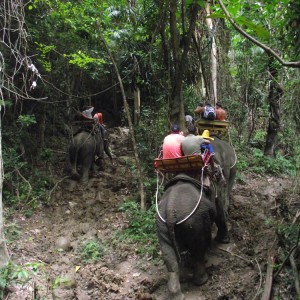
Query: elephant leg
x: 200, y: 275
x: 222, y: 234
x: 172, y: 264
x: 107, y: 150
x: 73, y: 160
x: 86, y: 167
x: 174, y: 287
x: 198, y: 250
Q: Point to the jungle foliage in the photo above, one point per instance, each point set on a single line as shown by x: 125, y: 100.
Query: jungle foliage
x: 56, y: 63
x: 65, y: 66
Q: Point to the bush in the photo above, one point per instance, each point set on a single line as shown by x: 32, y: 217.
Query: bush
x: 91, y: 251
x: 141, y: 228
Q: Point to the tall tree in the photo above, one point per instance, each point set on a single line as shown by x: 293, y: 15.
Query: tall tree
x: 14, y: 64
x: 274, y: 98
x: 213, y: 53
x: 180, y: 46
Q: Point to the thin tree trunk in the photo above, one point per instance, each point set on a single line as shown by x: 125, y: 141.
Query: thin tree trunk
x: 213, y: 54
x: 4, y: 256
x: 204, y: 84
x: 275, y: 95
x: 137, y: 161
x: 137, y: 105
x: 180, y: 60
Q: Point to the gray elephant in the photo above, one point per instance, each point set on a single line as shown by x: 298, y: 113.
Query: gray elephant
x: 226, y: 157
x: 194, y: 233
x: 83, y: 149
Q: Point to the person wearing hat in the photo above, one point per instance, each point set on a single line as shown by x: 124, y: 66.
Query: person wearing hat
x: 87, y: 112
x: 191, y: 144
x: 172, y: 143
x: 206, y: 135
x: 216, y: 167
x: 221, y: 114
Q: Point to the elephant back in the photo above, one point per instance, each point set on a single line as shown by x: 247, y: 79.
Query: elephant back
x: 224, y: 152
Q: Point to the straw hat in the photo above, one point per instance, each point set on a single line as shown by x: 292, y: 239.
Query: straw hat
x: 206, y: 135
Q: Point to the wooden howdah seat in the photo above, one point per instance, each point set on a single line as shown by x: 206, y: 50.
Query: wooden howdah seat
x: 180, y: 164
x: 218, y: 128
x: 83, y: 123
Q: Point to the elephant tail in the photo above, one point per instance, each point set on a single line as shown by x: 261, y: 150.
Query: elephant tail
x: 171, y: 223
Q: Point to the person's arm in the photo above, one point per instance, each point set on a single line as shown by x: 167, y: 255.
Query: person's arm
x: 199, y: 110
x: 205, y: 141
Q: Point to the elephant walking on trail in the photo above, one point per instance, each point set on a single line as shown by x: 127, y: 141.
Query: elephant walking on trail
x: 185, y: 216
x: 226, y: 156
x: 83, y: 149
x: 192, y: 235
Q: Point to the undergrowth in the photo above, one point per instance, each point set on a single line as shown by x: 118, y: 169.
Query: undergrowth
x: 91, y: 251
x: 19, y: 275
x: 254, y: 160
x: 141, y: 229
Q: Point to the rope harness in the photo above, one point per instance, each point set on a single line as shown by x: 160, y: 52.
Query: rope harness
x: 187, y: 178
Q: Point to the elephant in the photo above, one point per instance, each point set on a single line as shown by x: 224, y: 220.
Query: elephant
x: 82, y: 151
x: 194, y: 234
x: 226, y: 158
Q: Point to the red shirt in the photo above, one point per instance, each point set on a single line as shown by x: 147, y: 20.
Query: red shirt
x: 99, y: 117
x: 172, y: 146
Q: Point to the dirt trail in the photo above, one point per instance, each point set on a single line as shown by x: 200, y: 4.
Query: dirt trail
x: 81, y: 212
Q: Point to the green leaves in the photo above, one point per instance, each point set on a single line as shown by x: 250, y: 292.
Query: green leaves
x: 201, y: 3
x: 26, y: 120
x: 82, y: 60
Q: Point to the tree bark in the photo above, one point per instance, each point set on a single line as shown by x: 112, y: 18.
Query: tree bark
x: 138, y: 165
x: 213, y: 54
x: 180, y: 60
x: 137, y: 105
x: 274, y: 97
x: 4, y: 256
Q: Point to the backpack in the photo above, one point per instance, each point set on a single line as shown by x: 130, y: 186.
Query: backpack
x: 209, y: 113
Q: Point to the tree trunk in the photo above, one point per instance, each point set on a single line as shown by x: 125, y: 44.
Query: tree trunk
x: 138, y: 165
x: 137, y: 105
x: 213, y: 54
x: 180, y: 60
x: 4, y: 256
x: 274, y: 97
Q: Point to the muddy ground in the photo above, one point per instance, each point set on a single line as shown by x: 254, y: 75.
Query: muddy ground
x: 48, y: 245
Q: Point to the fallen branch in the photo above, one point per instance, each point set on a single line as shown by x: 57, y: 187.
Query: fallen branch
x: 27, y: 182
x: 260, y: 281
x: 54, y: 187
x: 233, y: 254
x: 289, y: 254
x: 269, y: 279
x: 295, y: 271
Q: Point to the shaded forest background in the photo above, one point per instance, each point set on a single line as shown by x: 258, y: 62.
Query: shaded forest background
x: 171, y: 56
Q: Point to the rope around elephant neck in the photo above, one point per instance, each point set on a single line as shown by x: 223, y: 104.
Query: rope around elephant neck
x: 192, y: 212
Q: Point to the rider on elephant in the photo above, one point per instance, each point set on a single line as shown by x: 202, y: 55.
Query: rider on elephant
x: 98, y: 131
x: 98, y: 117
x: 193, y: 144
